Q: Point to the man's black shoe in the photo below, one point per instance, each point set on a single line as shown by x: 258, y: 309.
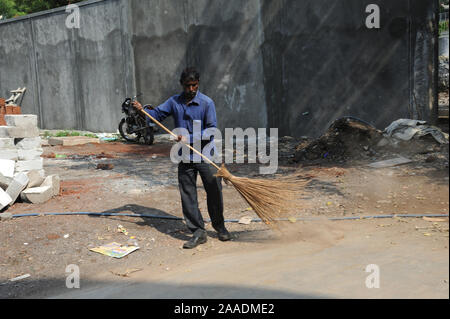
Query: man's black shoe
x: 196, y: 240
x: 224, y: 235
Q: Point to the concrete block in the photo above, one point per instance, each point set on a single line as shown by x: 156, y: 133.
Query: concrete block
x: 29, y: 155
x: 28, y: 143
x: 7, y: 167
x: 36, y: 178
x: 37, y: 195
x: 5, y: 199
x: 25, y: 166
x: 9, y: 154
x: 72, y: 140
x: 18, y: 184
x: 54, y: 182
x: 27, y: 120
x: 4, y: 132
x: 4, y: 181
x: 6, y: 216
x: 18, y: 132
x: 6, y: 143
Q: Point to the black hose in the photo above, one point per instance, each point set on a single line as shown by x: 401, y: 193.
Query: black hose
x: 230, y: 220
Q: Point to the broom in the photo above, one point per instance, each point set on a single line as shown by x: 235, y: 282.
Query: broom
x: 270, y: 199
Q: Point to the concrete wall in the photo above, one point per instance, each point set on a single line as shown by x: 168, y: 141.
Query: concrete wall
x: 220, y: 38
x: 295, y: 65
x: 321, y: 62
x: 75, y: 78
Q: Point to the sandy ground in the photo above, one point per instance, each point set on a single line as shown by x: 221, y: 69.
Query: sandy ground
x: 311, y: 258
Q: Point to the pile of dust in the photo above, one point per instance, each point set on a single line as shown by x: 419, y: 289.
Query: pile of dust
x: 321, y: 231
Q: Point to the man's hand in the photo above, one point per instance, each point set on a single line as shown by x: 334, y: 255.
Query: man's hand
x: 182, y: 139
x: 137, y: 105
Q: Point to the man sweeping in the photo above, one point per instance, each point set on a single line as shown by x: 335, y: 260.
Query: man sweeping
x: 186, y: 108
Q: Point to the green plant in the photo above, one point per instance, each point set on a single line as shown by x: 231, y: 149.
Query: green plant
x: 62, y: 134
x: 70, y: 133
x: 17, y: 8
x: 443, y: 26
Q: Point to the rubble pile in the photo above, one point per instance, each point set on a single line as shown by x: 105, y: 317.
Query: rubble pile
x: 22, y: 174
x: 353, y: 139
x: 347, y: 138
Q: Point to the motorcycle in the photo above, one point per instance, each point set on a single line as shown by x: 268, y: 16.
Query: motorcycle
x: 134, y: 126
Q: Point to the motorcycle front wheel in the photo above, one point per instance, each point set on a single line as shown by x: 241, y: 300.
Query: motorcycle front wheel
x: 124, y: 132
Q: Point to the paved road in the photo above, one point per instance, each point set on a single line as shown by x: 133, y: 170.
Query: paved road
x: 322, y: 262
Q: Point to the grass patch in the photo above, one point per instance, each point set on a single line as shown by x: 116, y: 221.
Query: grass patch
x: 47, y: 134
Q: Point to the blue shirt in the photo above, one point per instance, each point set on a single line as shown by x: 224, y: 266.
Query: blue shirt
x: 201, y: 110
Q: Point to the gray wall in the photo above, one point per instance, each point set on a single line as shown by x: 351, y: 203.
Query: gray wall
x: 295, y: 65
x: 220, y: 38
x: 75, y: 78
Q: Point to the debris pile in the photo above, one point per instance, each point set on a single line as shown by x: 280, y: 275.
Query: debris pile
x: 351, y: 138
x: 347, y: 138
x: 22, y: 174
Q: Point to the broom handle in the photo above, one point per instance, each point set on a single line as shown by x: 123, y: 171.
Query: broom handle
x: 176, y: 136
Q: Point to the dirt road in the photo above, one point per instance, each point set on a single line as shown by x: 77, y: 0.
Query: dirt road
x: 314, y: 259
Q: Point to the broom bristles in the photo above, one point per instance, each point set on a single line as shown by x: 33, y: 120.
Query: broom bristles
x: 270, y: 199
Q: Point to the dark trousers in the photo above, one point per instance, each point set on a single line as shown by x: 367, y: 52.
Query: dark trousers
x: 187, y: 182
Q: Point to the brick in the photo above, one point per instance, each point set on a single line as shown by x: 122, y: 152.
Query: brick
x: 7, y: 167
x: 9, y: 154
x: 18, y: 132
x: 25, y: 166
x: 9, y: 109
x: 2, y: 102
x: 36, y: 178
x: 5, y: 199
x: 7, y: 143
x: 4, y: 181
x: 2, y: 120
x: 27, y: 120
x: 17, y: 110
x: 12, y: 110
x: 37, y: 195
x: 18, y: 184
x: 29, y: 155
x: 28, y: 143
x: 54, y: 182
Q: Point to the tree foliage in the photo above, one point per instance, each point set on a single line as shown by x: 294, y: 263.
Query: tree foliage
x: 16, y: 8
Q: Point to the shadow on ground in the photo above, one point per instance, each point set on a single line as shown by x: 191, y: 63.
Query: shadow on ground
x: 174, y: 226
x: 55, y: 288
x: 160, y: 220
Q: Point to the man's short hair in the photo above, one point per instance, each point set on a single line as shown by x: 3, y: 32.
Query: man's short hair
x: 189, y: 74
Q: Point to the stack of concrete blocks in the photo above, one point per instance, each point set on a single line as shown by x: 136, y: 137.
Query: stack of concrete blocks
x: 21, y: 165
